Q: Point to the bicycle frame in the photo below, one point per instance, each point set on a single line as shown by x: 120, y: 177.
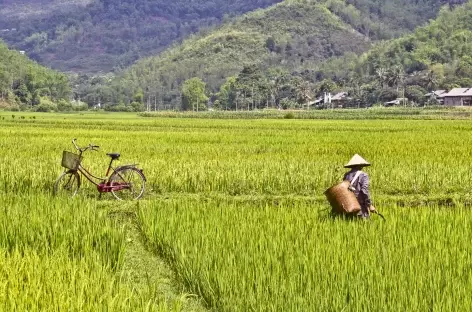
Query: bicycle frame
x: 103, y: 186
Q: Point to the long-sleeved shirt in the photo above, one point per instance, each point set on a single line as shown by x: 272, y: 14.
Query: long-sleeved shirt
x: 361, y: 187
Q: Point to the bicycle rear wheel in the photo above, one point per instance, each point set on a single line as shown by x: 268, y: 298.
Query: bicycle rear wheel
x: 67, y: 184
x: 127, y: 183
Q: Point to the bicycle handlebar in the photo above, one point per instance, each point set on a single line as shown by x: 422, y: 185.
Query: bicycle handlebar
x: 78, y: 148
x: 90, y: 146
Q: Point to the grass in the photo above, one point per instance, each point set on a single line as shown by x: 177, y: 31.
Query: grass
x: 234, y: 217
x: 149, y: 274
x: 375, y: 113
x: 289, y: 256
x: 61, y: 254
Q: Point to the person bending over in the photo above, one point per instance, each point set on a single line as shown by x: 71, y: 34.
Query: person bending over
x: 360, y: 184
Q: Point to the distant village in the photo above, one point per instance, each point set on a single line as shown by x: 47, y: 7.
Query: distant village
x: 454, y: 97
x: 342, y: 99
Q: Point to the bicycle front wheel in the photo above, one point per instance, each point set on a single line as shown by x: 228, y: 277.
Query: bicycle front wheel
x: 127, y: 183
x: 67, y: 184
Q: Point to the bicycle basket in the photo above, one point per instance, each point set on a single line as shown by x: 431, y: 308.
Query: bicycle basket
x: 70, y: 160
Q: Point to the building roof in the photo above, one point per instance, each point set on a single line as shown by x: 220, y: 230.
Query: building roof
x: 397, y: 101
x: 436, y: 93
x: 458, y: 92
x: 339, y: 96
x: 317, y: 101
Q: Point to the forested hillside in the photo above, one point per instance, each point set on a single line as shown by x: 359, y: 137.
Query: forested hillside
x: 25, y: 83
x: 249, y: 64
x: 273, y: 55
x: 292, y: 34
x: 385, y: 19
x: 280, y: 56
x: 437, y: 56
x: 101, y: 35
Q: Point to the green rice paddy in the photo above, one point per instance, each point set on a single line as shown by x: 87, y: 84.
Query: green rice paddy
x: 236, y: 209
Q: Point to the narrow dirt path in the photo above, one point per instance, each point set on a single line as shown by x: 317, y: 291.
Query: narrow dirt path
x: 149, y: 274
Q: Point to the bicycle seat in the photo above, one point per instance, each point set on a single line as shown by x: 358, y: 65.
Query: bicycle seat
x: 114, y: 155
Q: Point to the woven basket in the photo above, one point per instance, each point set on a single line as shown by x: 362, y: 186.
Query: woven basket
x: 70, y: 160
x: 342, y: 200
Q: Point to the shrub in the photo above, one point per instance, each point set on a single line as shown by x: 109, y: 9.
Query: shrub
x: 64, y: 106
x: 289, y: 115
x: 137, y: 107
x: 286, y: 103
x: 45, y: 105
x: 80, y: 107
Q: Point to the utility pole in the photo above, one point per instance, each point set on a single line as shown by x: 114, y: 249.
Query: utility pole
x: 253, y: 95
x: 237, y: 97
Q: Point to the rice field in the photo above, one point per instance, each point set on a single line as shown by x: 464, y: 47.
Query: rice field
x: 236, y: 208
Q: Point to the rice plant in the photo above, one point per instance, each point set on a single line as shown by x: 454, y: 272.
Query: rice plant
x: 236, y: 207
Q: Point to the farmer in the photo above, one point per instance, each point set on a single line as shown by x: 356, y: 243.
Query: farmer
x: 360, y: 184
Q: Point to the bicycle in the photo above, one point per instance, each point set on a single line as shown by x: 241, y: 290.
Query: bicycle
x: 125, y: 182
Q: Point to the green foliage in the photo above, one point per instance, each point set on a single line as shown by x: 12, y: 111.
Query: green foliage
x: 139, y: 96
x: 98, y: 36
x: 119, y: 108
x: 298, y: 32
x: 46, y: 105
x: 137, y: 106
x: 326, y: 86
x: 277, y: 55
x: 378, y: 19
x: 289, y: 116
x: 416, y: 94
x: 64, y: 106
x: 79, y: 106
x: 296, y: 36
x: 104, y: 35
x: 436, y: 56
x: 24, y: 82
x: 193, y: 95
x: 288, y: 104
x: 228, y: 94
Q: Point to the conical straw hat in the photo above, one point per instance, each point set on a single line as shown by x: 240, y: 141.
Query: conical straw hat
x: 357, y: 160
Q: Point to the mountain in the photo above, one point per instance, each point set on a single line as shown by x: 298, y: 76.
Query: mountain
x: 91, y: 36
x: 276, y: 46
x: 294, y: 36
x: 23, y: 82
x: 438, y: 55
x: 387, y: 19
x: 102, y: 35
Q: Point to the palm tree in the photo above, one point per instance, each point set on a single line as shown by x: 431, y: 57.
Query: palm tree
x: 382, y: 75
x: 396, y: 77
x: 431, y: 81
x: 303, y: 91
